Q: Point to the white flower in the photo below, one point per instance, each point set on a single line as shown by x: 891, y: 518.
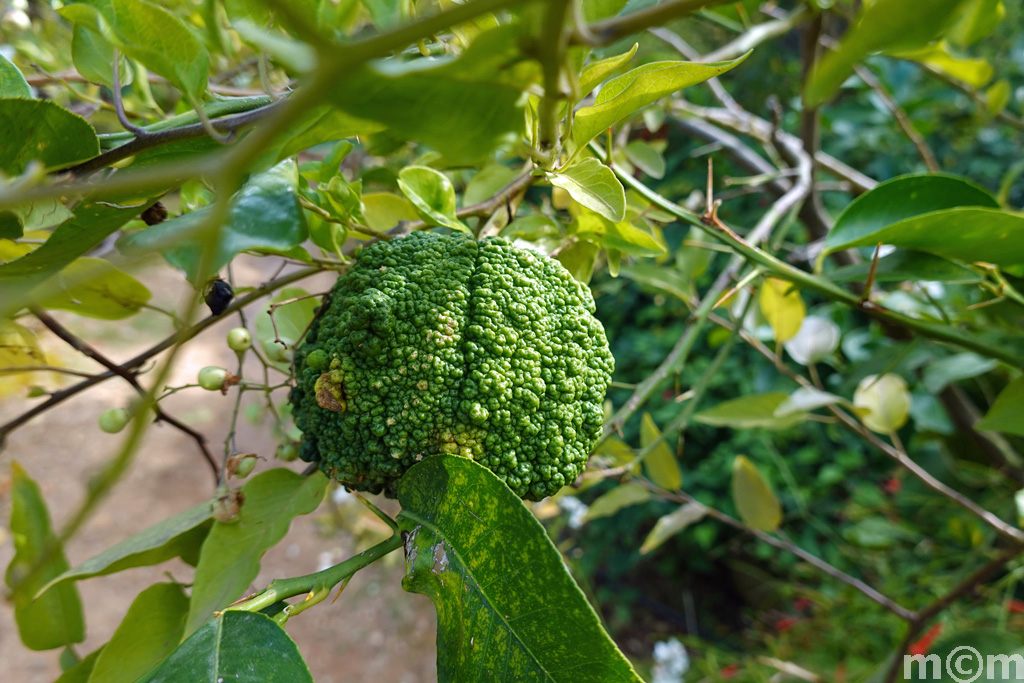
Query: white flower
x: 576, y: 508
x: 816, y: 339
x: 671, y: 661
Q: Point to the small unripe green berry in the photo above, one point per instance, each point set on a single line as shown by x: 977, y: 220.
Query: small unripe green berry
x: 239, y: 339
x: 241, y: 465
x: 287, y: 452
x: 113, y: 420
x: 212, y: 378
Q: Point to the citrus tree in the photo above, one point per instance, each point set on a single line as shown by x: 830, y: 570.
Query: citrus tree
x: 882, y: 311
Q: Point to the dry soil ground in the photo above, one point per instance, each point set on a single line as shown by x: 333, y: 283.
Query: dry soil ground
x: 374, y: 632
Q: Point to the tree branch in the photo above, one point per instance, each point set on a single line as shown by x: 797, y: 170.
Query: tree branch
x: 610, y: 30
x: 64, y: 394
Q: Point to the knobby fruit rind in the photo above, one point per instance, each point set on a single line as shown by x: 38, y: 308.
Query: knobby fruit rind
x: 441, y: 344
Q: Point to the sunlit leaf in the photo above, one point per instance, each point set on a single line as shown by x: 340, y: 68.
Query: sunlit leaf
x: 806, y: 399
x: 883, y: 25
x: 749, y: 412
x: 671, y: 524
x: 975, y: 20
x: 623, y: 495
x: 12, y: 82
x: 384, y: 211
x: 593, y: 185
x: 432, y: 195
x: 594, y: 73
x: 754, y: 500
x: 625, y: 94
x: 975, y: 71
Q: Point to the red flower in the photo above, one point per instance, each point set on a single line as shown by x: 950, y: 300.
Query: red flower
x: 785, y: 623
x: 729, y: 671
x: 1015, y: 607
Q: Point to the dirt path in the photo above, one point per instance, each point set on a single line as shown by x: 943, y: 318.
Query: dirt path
x: 374, y: 632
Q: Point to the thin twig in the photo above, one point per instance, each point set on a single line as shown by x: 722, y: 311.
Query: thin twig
x: 610, y: 30
x: 119, y: 103
x: 905, y: 124
x: 86, y: 349
x: 818, y: 563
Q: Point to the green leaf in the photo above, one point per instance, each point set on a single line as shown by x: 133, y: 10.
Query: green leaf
x: 432, y: 195
x: 782, y: 307
x: 461, y: 107
x: 94, y: 288
x: 875, y: 533
x: 177, y: 536
x: 754, y: 500
x: 634, y: 89
x: 1005, y: 413
x: 945, y: 371
x: 975, y: 20
x: 94, y: 220
x: 579, y: 260
x: 12, y: 82
x: 39, y: 215
x: 659, y: 278
x: 162, y: 42
x: 671, y: 524
x: 384, y: 211
x: 295, y: 56
x: 593, y: 185
x: 901, y: 198
x: 39, y: 130
x: 507, y: 607
x: 596, y: 10
x: 279, y: 336
x: 387, y: 14
x: 966, y: 234
x: 749, y: 412
x: 151, y: 630
x: 646, y: 158
x: 230, y: 558
x: 594, y: 73
x: 660, y: 464
x: 806, y: 399
x: 331, y: 164
x: 311, y: 128
x: 901, y: 266
x: 93, y: 55
x: 487, y: 183
x: 246, y: 647
x: 883, y: 25
x: 55, y: 618
x: 975, y: 72
x: 80, y: 672
x: 623, y: 495
x: 265, y: 213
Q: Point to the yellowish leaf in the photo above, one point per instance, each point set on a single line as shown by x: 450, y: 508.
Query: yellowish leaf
x: 660, y: 464
x: 758, y: 507
x: 18, y: 348
x: 782, y: 307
